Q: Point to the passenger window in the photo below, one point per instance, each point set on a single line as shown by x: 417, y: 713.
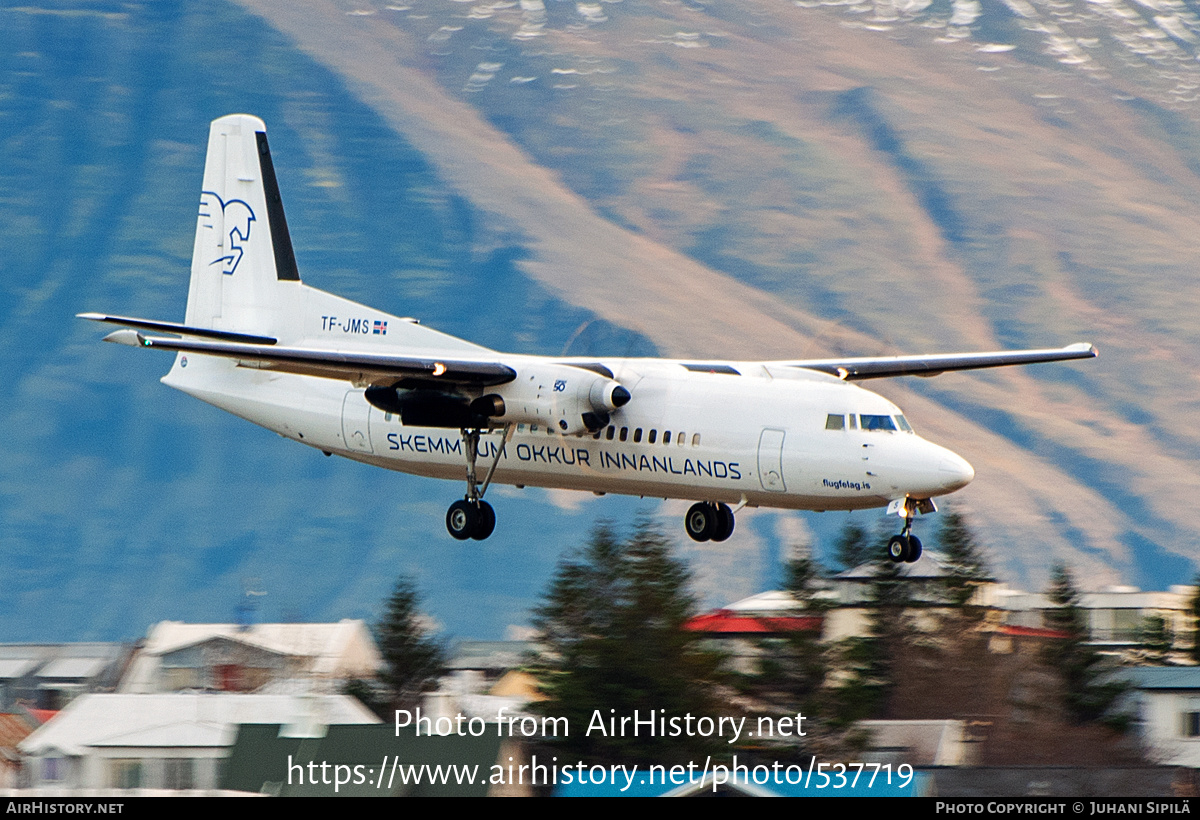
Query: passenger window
x: 533, y: 428
x: 833, y: 422
x: 612, y: 431
x: 695, y: 439
x: 682, y: 438
x: 667, y: 437
x: 624, y: 433
x: 637, y: 435
x: 653, y: 437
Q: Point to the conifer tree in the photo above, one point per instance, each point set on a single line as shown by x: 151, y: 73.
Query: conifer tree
x: 966, y: 567
x: 1194, y: 611
x: 412, y: 659
x: 855, y: 546
x: 1088, y: 690
x: 1155, y: 640
x: 612, y: 623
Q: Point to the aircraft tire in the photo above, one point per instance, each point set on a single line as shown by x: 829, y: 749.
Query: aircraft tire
x: 914, y: 550
x: 462, y: 519
x: 700, y: 521
x: 898, y: 549
x: 486, y: 523
x: 724, y: 523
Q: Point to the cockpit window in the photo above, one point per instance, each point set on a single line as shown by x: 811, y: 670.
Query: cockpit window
x: 904, y: 425
x: 833, y: 422
x: 873, y: 423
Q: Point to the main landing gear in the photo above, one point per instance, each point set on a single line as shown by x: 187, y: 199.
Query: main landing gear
x: 473, y: 517
x: 707, y: 521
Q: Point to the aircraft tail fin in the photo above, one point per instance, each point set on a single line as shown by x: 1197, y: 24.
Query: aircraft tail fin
x: 244, y: 278
x: 243, y: 253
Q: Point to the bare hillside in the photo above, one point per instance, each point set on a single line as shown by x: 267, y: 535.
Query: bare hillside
x: 801, y: 179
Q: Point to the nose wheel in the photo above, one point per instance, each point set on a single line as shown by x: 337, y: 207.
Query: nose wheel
x: 707, y: 521
x: 904, y: 547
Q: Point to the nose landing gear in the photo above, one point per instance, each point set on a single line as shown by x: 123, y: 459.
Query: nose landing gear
x: 906, y: 547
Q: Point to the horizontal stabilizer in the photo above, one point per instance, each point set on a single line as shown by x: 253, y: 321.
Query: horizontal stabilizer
x: 890, y: 366
x: 358, y: 367
x: 174, y: 327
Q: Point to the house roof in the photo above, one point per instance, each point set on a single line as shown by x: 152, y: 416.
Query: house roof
x: 323, y: 641
x: 723, y: 621
x: 16, y: 667
x: 336, y: 650
x: 178, y: 720
x: 74, y: 668
x: 1164, y: 677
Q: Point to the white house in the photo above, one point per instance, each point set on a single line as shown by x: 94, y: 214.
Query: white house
x: 1167, y: 700
x: 180, y: 657
x: 164, y: 741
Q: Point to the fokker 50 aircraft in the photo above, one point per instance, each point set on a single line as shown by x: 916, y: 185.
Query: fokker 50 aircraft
x: 348, y: 379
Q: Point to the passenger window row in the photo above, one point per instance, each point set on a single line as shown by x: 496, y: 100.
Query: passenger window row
x: 611, y: 433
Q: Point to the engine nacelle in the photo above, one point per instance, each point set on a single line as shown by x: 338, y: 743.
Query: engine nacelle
x: 568, y: 399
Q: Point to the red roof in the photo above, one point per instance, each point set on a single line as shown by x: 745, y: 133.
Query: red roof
x: 723, y: 621
x: 43, y: 714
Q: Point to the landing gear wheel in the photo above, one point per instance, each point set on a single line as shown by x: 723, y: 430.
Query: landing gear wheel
x: 725, y: 522
x: 462, y: 519
x: 914, y: 549
x: 700, y: 521
x: 898, y: 548
x: 486, y: 523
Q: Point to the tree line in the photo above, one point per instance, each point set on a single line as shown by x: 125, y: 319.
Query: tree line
x: 614, y: 637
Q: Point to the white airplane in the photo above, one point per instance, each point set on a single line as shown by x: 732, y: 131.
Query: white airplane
x: 348, y: 379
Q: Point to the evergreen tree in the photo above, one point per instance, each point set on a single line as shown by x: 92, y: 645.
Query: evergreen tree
x: 612, y: 622
x: 412, y: 660
x: 867, y: 661
x: 1194, y: 611
x: 1089, y: 691
x: 1155, y: 640
x: 966, y: 567
x: 793, y: 666
x: 855, y: 546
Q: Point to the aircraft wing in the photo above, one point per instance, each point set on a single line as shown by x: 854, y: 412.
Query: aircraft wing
x: 354, y: 366
x: 889, y: 366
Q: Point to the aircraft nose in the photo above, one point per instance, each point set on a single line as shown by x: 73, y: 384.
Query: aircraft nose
x: 954, y: 472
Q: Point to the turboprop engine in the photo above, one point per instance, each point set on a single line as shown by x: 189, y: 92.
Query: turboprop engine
x: 567, y: 399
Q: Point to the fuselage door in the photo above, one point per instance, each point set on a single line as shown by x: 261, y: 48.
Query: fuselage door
x: 770, y: 461
x: 356, y: 430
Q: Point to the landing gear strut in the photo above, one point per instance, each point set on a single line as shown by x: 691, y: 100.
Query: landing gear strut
x: 473, y: 517
x: 707, y: 521
x: 905, y: 547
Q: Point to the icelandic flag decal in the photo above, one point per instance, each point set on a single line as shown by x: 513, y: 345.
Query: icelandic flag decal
x: 380, y: 328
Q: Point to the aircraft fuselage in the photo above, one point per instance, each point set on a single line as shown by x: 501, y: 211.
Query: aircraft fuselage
x: 752, y: 437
